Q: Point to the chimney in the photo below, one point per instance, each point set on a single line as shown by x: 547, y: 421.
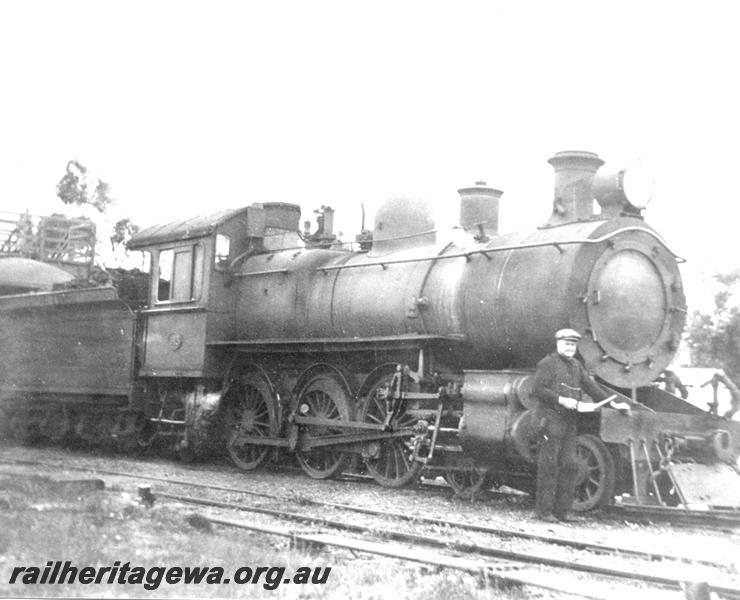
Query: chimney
x: 479, y: 208
x: 574, y: 175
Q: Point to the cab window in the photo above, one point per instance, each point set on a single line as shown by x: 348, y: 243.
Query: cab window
x: 223, y: 244
x: 180, y: 274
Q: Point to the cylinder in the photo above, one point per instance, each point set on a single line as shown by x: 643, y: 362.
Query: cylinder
x: 491, y: 405
x: 497, y: 425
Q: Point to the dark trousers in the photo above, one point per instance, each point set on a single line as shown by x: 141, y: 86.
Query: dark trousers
x: 556, y: 463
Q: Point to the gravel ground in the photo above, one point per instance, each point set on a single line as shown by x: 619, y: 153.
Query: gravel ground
x: 286, y: 488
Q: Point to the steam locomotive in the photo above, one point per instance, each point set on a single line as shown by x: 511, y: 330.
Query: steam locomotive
x: 411, y: 356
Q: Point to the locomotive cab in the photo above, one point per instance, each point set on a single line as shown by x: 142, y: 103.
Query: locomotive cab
x: 191, y: 297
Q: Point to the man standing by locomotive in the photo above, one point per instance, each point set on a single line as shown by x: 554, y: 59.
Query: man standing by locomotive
x: 558, y: 384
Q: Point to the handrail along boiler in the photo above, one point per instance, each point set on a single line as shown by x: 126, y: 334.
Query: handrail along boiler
x: 415, y: 354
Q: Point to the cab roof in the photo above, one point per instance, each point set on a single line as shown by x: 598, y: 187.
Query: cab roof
x: 184, y: 229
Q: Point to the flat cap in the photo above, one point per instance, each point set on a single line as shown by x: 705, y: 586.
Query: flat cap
x: 568, y: 334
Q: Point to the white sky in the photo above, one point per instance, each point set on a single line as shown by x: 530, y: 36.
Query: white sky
x: 186, y: 108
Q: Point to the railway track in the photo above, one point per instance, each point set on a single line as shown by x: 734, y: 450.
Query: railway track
x: 506, y: 573
x: 507, y: 567
x: 720, y: 519
x: 573, y: 543
x: 673, y: 516
x: 476, y: 557
x: 477, y: 549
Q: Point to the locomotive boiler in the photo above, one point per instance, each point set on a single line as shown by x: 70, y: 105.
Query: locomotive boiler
x: 500, y: 296
x: 412, y: 356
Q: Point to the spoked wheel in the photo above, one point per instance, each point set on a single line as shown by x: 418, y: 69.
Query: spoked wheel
x: 469, y: 482
x: 596, y: 474
x: 324, y: 396
x: 393, y: 464
x: 251, y: 411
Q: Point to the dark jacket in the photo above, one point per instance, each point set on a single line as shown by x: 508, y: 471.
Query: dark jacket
x: 553, y: 372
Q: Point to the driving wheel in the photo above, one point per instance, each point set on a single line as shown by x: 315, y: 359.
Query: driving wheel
x: 251, y: 411
x: 393, y: 464
x: 325, y: 397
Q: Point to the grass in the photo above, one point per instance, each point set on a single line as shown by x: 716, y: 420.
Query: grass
x: 40, y: 523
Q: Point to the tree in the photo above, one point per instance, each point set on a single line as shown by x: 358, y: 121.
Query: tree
x: 714, y: 339
x: 123, y: 230
x: 74, y: 189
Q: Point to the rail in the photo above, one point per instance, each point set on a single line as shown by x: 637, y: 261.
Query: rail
x: 507, y: 565
x: 577, y: 543
x: 511, y: 556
